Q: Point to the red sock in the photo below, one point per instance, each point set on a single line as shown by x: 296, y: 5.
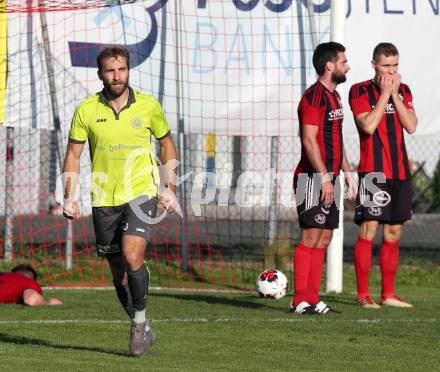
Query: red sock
x: 389, y: 261
x: 301, y: 267
x: 315, y: 274
x: 362, y: 264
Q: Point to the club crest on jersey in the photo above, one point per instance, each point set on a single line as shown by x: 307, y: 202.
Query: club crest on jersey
x: 320, y: 218
x: 136, y: 123
x: 381, y: 198
x: 375, y: 211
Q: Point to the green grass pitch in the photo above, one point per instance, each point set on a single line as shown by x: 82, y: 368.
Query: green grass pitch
x: 211, y: 331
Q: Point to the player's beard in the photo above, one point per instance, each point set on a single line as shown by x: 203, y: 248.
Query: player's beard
x: 339, y: 77
x: 115, y: 91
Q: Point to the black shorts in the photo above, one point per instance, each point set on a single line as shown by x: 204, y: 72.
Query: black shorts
x: 133, y: 218
x: 386, y: 201
x: 311, y: 212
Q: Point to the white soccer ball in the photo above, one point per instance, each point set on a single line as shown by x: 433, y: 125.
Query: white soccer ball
x: 272, y: 283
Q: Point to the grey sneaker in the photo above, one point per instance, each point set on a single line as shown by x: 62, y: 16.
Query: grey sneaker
x: 141, y: 338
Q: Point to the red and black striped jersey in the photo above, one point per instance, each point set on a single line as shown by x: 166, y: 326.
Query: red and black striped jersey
x: 320, y: 107
x: 384, y: 150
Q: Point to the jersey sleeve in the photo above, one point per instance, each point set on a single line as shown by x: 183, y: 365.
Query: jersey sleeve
x: 358, y: 99
x: 31, y: 284
x: 407, y: 97
x: 78, y: 128
x: 310, y: 112
x: 159, y: 125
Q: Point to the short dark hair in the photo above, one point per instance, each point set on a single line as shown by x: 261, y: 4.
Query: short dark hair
x: 326, y: 52
x: 25, y: 268
x: 112, y: 52
x: 386, y: 49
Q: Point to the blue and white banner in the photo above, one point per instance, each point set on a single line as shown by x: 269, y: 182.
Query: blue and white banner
x: 240, y: 64
x: 233, y: 67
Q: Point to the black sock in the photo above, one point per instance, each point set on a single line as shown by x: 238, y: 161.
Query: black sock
x: 124, y: 297
x: 138, y: 283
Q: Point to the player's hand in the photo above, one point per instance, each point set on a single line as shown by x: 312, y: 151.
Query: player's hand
x: 71, y: 210
x: 327, y: 193
x: 169, y: 201
x: 397, y: 79
x: 54, y: 301
x: 385, y: 84
x: 352, y: 186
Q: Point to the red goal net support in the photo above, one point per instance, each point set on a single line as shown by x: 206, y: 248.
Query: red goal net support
x: 229, y: 75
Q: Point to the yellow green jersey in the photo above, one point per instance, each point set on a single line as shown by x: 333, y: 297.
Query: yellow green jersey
x: 123, y: 163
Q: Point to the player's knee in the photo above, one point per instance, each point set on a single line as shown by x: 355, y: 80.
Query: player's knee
x: 392, y: 232
x: 325, y: 239
x: 134, y: 261
x: 324, y: 243
x: 310, y: 241
x: 369, y: 229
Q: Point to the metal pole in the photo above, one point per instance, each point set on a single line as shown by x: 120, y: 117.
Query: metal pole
x: 56, y: 138
x: 273, y: 222
x: 181, y: 139
x: 312, y: 24
x: 9, y: 196
x: 336, y: 248
x: 302, y: 46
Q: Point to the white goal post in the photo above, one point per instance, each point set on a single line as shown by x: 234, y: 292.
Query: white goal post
x: 335, y: 249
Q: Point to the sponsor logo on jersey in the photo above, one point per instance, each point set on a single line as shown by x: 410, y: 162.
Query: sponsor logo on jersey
x: 101, y: 120
x: 125, y: 227
x: 381, y: 198
x: 390, y: 109
x: 336, y: 114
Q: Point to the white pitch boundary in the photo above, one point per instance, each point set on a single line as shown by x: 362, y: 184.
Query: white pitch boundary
x: 219, y: 320
x: 174, y: 289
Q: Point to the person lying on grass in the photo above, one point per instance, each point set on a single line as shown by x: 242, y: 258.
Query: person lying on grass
x: 20, y: 287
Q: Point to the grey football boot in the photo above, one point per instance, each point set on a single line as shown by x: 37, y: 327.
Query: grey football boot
x: 141, y: 338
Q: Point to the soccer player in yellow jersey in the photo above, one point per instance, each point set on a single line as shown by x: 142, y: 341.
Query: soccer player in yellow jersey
x: 118, y: 123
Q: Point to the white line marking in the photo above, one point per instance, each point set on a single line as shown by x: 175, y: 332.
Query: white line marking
x: 219, y: 320
x: 174, y: 289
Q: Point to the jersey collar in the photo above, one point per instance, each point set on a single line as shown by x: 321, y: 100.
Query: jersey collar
x: 130, y: 101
